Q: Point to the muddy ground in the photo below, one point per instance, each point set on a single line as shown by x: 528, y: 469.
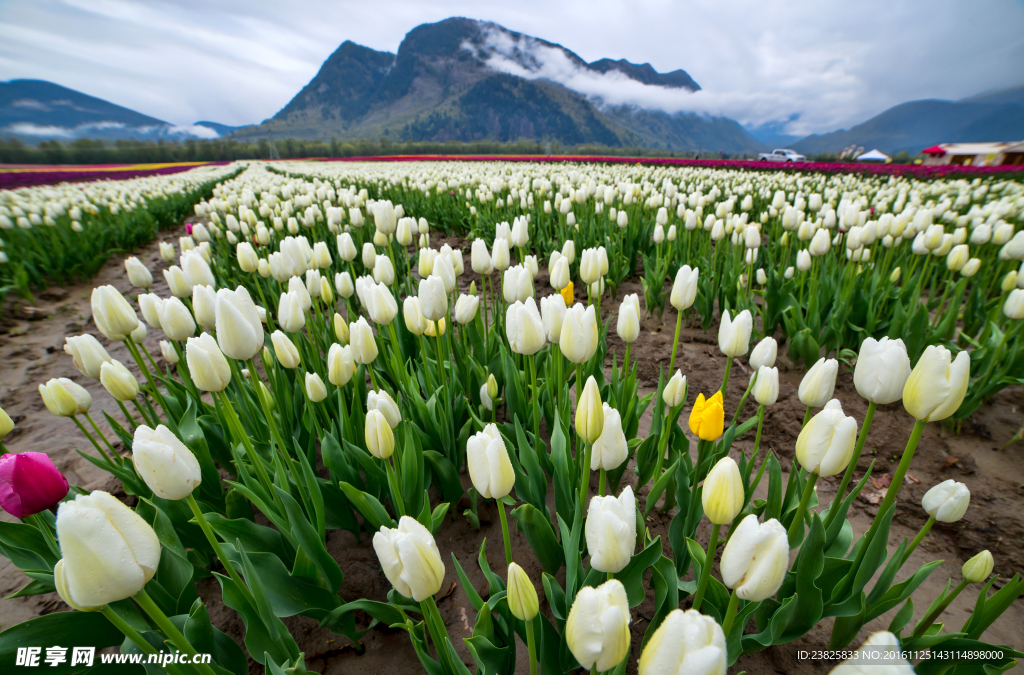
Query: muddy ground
x: 31, y: 352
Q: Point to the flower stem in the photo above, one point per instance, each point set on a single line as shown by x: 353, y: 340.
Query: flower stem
x: 705, y: 572
x: 917, y: 540
x: 128, y: 415
x: 585, y: 477
x: 504, y: 531
x: 217, y: 550
x: 536, y: 399
x: 134, y: 350
x: 807, y: 417
x: 841, y: 492
x: 169, y: 629
x: 730, y: 613
x: 92, y: 440
x: 675, y: 344
x: 602, y: 479
x: 901, y: 472
x: 930, y: 618
x: 725, y: 380
x: 531, y: 646
x: 743, y: 400
x: 396, y: 491
x: 797, y: 526
x: 44, y: 529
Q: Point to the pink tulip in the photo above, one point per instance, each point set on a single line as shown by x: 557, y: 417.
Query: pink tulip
x: 29, y: 483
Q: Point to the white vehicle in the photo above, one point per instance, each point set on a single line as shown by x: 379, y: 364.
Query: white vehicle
x: 782, y: 155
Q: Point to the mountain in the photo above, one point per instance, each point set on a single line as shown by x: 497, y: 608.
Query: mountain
x: 913, y: 126
x: 462, y: 79
x: 36, y: 110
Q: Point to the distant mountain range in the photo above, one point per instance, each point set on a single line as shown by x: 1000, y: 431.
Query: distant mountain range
x: 913, y: 126
x: 35, y: 110
x: 465, y: 80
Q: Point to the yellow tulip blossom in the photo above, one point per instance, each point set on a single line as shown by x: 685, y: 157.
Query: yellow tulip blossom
x: 707, y: 419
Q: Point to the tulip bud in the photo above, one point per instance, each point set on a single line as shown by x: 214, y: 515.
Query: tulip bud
x: 316, y: 391
x: 204, y: 304
x: 433, y: 298
x: 492, y: 386
x: 817, y: 385
x: 628, y: 327
x: 825, y: 445
x: 410, y: 559
x: 937, y: 385
x: 209, y: 369
x: 88, y: 354
x: 882, y: 370
x: 286, y: 352
x: 611, y: 531
x: 766, y: 386
x: 489, y: 465
x: 521, y: 594
x: 364, y: 347
x: 480, y: 258
x: 118, y: 381
x: 685, y: 642
x: 239, y: 329
x: 579, y: 335
x: 109, y: 551
x: 684, y: 288
x: 610, y: 449
x: 674, y: 393
x: 723, y: 492
x: 590, y: 268
x: 381, y: 304
x: 248, y: 261
x: 971, y: 267
x: 887, y: 647
x: 947, y: 502
x: 168, y: 467
x: 756, y: 558
x: 707, y: 419
x: 597, y: 631
x: 1013, y: 308
x: 29, y: 482
x: 466, y: 308
x: 977, y: 569
x: 764, y: 353
x: 369, y: 256
x: 340, y: 365
x: 290, y: 313
x: 343, y: 284
x: 734, y: 334
x: 346, y: 247
x: 6, y: 424
x: 486, y: 401
x: 138, y: 274
x: 169, y: 353
x: 113, y: 315
x: 552, y: 311
x: 524, y: 328
x: 166, y: 251
x: 64, y: 398
x: 499, y: 255
x: 589, y: 412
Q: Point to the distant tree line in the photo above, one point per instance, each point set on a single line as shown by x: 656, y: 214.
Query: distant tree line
x: 87, y: 151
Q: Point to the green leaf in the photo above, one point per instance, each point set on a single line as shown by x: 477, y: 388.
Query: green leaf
x: 368, y: 506
x: 632, y: 575
x: 74, y: 629
x: 311, y: 542
x: 540, y: 535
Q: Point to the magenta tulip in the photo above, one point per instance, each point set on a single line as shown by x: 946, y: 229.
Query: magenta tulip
x: 29, y: 483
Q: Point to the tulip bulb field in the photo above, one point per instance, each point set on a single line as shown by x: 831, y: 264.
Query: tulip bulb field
x: 513, y: 417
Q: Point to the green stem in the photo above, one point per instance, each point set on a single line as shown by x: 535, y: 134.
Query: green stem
x: 760, y: 424
x: 218, y: 551
x: 134, y: 350
x: 725, y: 380
x: 149, y: 356
x: 142, y: 413
x: 128, y: 415
x: 438, y: 633
x: 585, y: 478
x: 531, y: 646
x: 602, y: 479
x: 536, y: 399
x: 743, y: 399
x: 254, y: 459
x: 901, y: 472
x: 807, y: 417
x: 169, y: 629
x: 917, y: 540
x: 44, y: 529
x: 930, y: 618
x: 625, y: 362
x: 396, y: 491
x: 705, y: 572
x: 848, y: 475
x: 100, y: 434
x: 675, y: 345
x: 128, y: 631
x: 797, y: 526
x: 730, y: 613
x: 504, y: 531
x: 92, y: 440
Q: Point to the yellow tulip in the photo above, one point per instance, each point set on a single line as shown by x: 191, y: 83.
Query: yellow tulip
x: 707, y: 419
x: 567, y: 294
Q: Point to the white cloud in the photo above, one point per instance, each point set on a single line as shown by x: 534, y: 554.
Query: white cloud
x: 832, y: 64
x: 29, y: 129
x: 195, y: 130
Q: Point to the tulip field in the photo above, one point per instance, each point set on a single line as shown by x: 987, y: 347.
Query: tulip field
x: 517, y: 417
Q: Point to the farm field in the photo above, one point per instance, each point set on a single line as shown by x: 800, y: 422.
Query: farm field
x: 339, y: 398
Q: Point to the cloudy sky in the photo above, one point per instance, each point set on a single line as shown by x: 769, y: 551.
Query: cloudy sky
x: 815, y: 65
